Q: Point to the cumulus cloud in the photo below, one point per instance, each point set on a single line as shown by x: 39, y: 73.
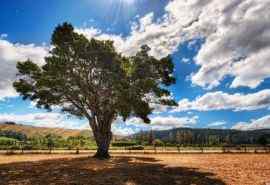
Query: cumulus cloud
x: 223, y: 101
x: 238, y: 44
x: 185, y: 60
x: 129, y: 127
x: 51, y: 120
x: 9, y: 55
x: 160, y: 36
x: 3, y: 35
x: 174, y: 122
x: 217, y: 124
x: 236, y: 34
x: 261, y: 123
x: 166, y: 122
x: 237, y: 39
x: 135, y: 125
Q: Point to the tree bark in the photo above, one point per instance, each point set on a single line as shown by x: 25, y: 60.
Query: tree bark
x: 103, y: 143
x: 103, y: 135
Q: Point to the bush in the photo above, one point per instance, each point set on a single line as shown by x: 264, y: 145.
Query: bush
x: 13, y: 147
x: 158, y: 142
x: 124, y: 144
x: 13, y: 134
x: 28, y: 147
x: 10, y: 123
x: 262, y: 140
x: 170, y: 144
x: 7, y: 141
x: 138, y: 147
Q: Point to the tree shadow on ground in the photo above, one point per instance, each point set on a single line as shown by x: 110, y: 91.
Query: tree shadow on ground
x: 116, y: 171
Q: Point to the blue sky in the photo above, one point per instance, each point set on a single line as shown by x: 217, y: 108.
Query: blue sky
x: 222, y: 69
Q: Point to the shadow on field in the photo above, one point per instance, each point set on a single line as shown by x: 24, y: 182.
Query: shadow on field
x: 116, y: 171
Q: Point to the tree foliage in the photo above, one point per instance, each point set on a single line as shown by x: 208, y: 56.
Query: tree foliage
x: 89, y: 78
x: 84, y: 75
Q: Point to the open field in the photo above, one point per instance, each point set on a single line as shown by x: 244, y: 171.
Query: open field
x: 140, y: 169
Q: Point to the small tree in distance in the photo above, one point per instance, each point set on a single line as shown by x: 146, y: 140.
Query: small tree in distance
x: 89, y: 79
x: 151, y: 137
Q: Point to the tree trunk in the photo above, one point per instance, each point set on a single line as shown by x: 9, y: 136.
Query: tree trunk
x: 103, y: 144
x: 103, y: 136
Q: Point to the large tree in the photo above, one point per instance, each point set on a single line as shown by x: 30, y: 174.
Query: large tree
x: 89, y: 79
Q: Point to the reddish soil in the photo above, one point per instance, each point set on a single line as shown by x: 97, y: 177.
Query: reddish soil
x: 173, y: 169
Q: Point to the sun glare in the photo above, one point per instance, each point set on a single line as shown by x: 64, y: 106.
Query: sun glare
x: 127, y: 1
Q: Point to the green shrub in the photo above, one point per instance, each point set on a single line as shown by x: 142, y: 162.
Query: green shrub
x: 13, y: 134
x: 138, y: 147
x: 14, y: 147
x: 28, y: 147
x: 124, y: 144
x: 7, y: 141
x: 158, y: 142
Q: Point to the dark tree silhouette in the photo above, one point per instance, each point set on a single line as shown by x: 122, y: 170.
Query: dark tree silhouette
x: 89, y: 79
x: 262, y: 140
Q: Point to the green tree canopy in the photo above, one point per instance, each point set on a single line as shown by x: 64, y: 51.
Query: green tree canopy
x: 90, y: 79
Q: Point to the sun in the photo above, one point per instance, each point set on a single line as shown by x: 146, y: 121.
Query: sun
x: 127, y: 1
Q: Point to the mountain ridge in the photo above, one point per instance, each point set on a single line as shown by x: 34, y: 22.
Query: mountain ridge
x: 31, y: 131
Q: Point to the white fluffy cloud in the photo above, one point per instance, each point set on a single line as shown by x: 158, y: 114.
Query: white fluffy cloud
x: 51, y: 120
x: 217, y: 124
x: 9, y: 55
x: 135, y: 125
x: 186, y: 60
x: 130, y: 127
x: 237, y: 39
x: 223, y: 101
x: 160, y: 36
x: 174, y: 121
x: 166, y: 122
x: 237, y: 45
x: 261, y: 123
x: 236, y: 33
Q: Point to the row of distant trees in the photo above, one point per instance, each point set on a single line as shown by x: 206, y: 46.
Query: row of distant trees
x: 190, y: 138
x: 17, y: 140
x: 13, y: 134
x: 50, y: 141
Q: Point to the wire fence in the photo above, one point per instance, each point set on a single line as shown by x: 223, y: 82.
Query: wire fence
x: 148, y: 150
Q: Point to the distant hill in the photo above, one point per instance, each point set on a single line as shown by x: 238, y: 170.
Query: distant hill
x: 30, y: 131
x: 214, y: 136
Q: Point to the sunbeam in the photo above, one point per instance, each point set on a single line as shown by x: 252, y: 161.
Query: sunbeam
x: 128, y: 1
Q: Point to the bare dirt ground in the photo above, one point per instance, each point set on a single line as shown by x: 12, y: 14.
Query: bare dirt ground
x: 159, y: 169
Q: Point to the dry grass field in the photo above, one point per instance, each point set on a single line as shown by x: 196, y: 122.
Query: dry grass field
x: 160, y: 169
x: 31, y: 131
